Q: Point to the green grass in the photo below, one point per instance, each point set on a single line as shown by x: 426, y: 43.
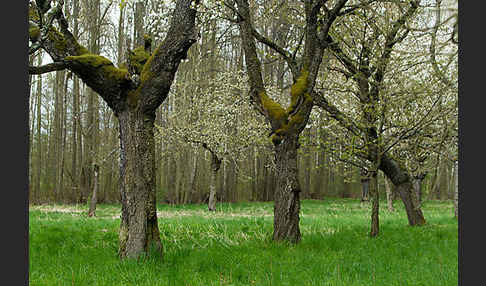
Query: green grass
x: 233, y: 247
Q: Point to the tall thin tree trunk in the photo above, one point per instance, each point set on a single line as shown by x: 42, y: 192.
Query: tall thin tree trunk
x: 138, y: 30
x: 375, y: 205
x: 193, y: 184
x: 92, y: 131
x: 417, y: 187
x: 215, y: 166
x: 94, y: 198
x: 62, y: 139
x: 37, y: 185
x: 32, y: 118
x: 365, y: 186
x: 76, y: 117
x: 389, y: 195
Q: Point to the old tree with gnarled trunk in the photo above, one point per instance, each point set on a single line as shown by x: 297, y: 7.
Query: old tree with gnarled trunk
x: 133, y: 95
x: 287, y: 123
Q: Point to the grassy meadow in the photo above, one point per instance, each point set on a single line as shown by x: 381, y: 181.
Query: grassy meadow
x: 233, y: 246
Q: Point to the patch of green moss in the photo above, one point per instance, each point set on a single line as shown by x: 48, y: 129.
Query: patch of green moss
x: 137, y: 59
x: 58, y: 39
x: 97, y: 61
x: 297, y: 90
x: 33, y: 15
x: 274, y: 109
x: 34, y: 33
x: 90, y: 59
x: 299, y: 117
x: 80, y: 50
x: 146, y: 73
x: 113, y: 72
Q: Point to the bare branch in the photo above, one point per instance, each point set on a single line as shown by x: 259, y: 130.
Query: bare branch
x: 433, y: 60
x: 55, y: 66
x: 346, y: 122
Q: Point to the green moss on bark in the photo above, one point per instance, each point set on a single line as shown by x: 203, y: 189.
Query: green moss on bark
x: 102, y: 63
x: 146, y: 72
x: 300, y: 116
x: 138, y: 58
x: 34, y: 33
x: 33, y: 15
x: 274, y: 109
x: 297, y: 90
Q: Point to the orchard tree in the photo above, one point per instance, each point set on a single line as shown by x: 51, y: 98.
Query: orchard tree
x: 389, y: 99
x: 287, y: 123
x: 219, y: 119
x: 133, y: 94
x: 364, y: 51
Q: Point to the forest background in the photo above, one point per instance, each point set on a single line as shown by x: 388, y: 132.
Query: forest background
x: 208, y: 112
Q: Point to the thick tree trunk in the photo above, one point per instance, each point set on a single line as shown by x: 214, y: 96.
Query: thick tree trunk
x: 287, y: 191
x: 139, y: 231
x: 215, y: 166
x: 134, y: 103
x: 401, y: 179
x: 94, y: 197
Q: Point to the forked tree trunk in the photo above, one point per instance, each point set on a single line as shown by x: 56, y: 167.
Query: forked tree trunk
x: 94, y: 198
x: 215, y: 166
x: 287, y: 191
x: 401, y: 179
x: 139, y: 232
x: 134, y: 101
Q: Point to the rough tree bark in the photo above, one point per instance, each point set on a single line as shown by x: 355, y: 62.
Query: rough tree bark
x: 403, y: 183
x: 134, y: 97
x: 287, y: 201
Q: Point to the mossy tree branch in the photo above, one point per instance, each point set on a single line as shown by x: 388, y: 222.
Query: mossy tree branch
x: 40, y: 22
x: 294, y: 118
x: 55, y: 66
x: 96, y: 71
x: 113, y: 84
